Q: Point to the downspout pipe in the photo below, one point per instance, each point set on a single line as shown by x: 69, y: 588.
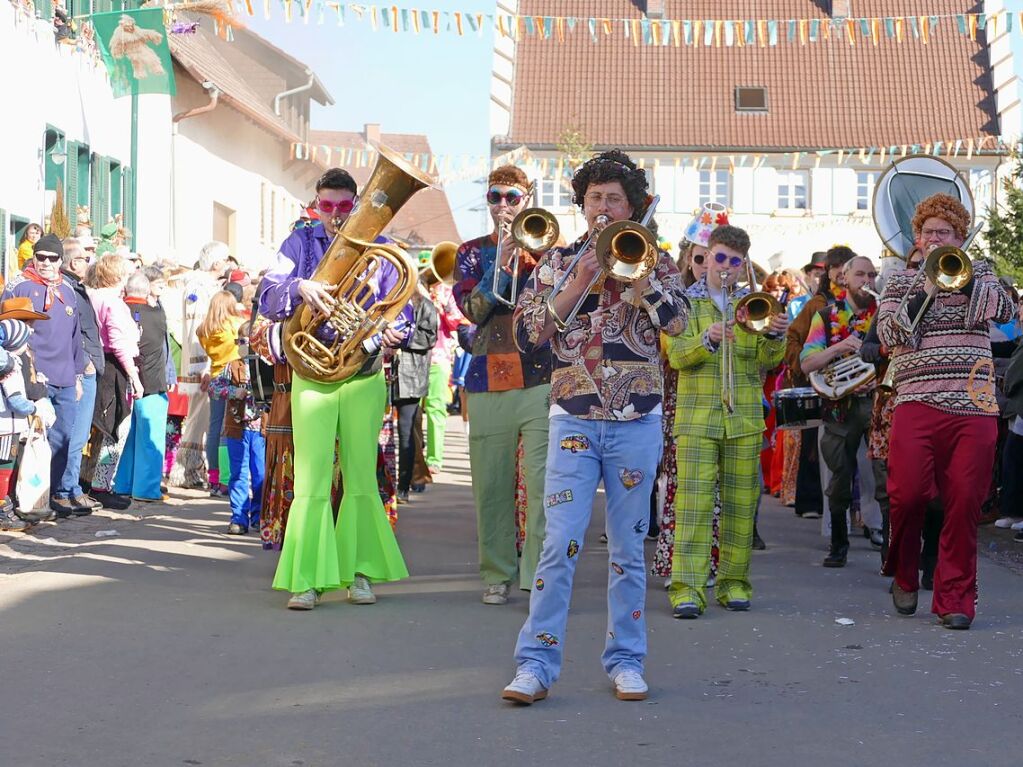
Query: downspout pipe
x: 214, y: 94
x: 300, y: 89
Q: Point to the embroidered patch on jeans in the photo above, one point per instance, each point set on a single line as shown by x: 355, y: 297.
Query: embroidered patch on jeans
x: 547, y: 640
x: 539, y: 584
x: 575, y: 443
x: 636, y: 614
x: 640, y: 526
x: 630, y: 477
x: 617, y: 568
x: 558, y: 498
x: 573, y: 548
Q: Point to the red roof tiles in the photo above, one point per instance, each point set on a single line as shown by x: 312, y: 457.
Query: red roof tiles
x: 827, y: 94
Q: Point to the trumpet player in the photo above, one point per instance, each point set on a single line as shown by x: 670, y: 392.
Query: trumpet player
x: 507, y: 393
x: 837, y: 331
x: 719, y: 425
x: 318, y: 554
x: 605, y: 424
x: 945, y: 423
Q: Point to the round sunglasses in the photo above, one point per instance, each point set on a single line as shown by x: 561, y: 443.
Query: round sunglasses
x: 328, y: 207
x: 733, y: 261
x: 512, y: 196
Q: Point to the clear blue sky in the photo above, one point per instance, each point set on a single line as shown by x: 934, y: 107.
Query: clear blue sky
x: 435, y: 85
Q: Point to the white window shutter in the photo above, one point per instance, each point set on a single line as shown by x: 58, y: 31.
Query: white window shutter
x: 765, y: 190
x: 820, y: 201
x: 743, y: 180
x: 844, y: 187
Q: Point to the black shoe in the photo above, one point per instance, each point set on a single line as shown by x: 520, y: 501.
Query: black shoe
x: 758, y: 542
x: 836, y: 557
x: 111, y: 501
x: 35, y: 517
x: 686, y: 611
x: 63, y: 507
x: 82, y: 501
x: 955, y: 621
x: 402, y: 496
x: 421, y: 488
x: 927, y: 580
x: 1018, y: 537
x: 904, y: 601
x: 235, y: 529
x: 737, y: 605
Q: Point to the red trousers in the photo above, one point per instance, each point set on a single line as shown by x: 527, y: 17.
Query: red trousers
x: 931, y: 454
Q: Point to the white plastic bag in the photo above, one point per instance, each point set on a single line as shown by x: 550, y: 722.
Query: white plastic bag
x: 34, y: 473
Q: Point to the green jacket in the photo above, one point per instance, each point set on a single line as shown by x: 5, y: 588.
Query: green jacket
x: 698, y: 411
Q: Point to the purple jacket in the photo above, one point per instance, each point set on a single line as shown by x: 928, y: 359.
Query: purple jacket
x: 56, y: 342
x: 297, y: 260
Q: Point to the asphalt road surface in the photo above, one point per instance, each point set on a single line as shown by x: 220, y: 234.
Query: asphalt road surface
x: 164, y: 645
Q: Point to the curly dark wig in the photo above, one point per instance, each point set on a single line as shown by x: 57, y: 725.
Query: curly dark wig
x: 610, y: 166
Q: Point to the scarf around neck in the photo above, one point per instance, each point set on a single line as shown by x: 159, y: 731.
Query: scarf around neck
x: 52, y: 286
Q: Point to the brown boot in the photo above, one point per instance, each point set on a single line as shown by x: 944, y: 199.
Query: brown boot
x: 905, y: 601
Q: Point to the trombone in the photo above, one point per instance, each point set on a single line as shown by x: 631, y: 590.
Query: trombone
x: 949, y: 269
x: 753, y: 313
x: 626, y: 251
x: 534, y: 230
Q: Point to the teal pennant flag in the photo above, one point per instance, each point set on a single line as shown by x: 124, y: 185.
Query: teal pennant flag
x: 135, y: 50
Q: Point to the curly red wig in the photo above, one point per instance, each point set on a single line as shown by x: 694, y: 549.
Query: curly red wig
x: 948, y: 209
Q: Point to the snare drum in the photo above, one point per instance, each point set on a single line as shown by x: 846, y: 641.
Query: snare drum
x: 797, y: 408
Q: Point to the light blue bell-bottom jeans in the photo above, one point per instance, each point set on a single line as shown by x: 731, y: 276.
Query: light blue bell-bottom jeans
x: 581, y: 453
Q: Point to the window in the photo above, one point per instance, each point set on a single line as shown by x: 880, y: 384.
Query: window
x: 865, y: 181
x: 792, y: 187
x: 750, y: 98
x: 555, y: 194
x: 980, y: 186
x: 714, y: 187
x: 115, y: 186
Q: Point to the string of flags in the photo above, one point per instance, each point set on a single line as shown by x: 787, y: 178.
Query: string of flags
x: 639, y: 31
x: 448, y: 167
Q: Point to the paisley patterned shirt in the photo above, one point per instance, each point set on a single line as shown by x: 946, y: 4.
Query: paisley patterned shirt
x: 606, y: 364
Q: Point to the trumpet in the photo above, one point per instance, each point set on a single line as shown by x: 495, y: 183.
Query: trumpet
x: 948, y: 268
x: 626, y: 251
x: 534, y: 230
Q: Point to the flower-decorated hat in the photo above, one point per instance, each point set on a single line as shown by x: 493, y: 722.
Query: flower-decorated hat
x: 713, y: 215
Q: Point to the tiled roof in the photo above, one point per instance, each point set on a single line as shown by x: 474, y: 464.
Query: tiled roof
x: 198, y: 54
x: 426, y: 219
x: 827, y: 94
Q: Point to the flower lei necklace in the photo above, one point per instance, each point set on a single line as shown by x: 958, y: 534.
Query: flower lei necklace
x: 844, y: 323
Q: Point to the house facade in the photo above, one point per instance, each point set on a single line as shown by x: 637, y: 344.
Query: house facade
x: 791, y: 138
x: 215, y: 161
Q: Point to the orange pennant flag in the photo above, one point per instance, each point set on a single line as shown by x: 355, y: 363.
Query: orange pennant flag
x: 606, y: 24
x: 802, y: 31
x: 458, y: 23
x: 973, y: 26
x: 436, y: 22
x: 697, y: 29
x: 676, y: 34
x: 560, y: 23
x: 394, y: 18
x: 718, y: 27
x: 740, y: 34
x: 762, y: 32
x: 875, y: 30
x: 635, y: 32
x: 925, y: 30
x: 850, y: 31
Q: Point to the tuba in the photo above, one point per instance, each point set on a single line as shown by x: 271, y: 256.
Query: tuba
x: 331, y: 349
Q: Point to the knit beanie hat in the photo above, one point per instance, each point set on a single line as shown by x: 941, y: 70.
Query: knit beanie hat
x: 15, y: 334
x: 49, y: 243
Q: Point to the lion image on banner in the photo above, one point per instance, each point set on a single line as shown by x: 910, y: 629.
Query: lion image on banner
x: 131, y: 42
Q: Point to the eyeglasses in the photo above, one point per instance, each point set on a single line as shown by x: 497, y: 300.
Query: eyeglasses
x: 870, y: 275
x: 942, y: 233
x: 733, y: 261
x: 51, y: 257
x: 698, y: 258
x: 328, y: 207
x: 612, y: 200
x: 512, y: 196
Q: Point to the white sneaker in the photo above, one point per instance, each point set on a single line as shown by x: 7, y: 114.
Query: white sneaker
x: 1018, y: 526
x: 711, y: 581
x: 629, y: 685
x: 1008, y: 522
x: 305, y: 601
x: 525, y: 688
x: 360, y: 592
x: 496, y: 594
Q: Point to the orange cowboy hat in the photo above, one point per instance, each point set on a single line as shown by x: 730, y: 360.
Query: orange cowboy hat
x: 20, y: 308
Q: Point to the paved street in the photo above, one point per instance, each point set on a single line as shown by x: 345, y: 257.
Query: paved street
x: 163, y: 645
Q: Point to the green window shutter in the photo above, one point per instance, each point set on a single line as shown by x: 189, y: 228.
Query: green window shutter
x: 71, y: 193
x: 3, y: 243
x: 104, y: 189
x: 45, y: 9
x: 116, y: 188
x: 96, y: 192
x: 129, y: 205
x: 84, y: 175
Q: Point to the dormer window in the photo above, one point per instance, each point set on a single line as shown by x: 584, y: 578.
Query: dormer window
x: 750, y: 98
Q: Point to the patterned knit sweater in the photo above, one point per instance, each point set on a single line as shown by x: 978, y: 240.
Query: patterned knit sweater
x: 947, y: 362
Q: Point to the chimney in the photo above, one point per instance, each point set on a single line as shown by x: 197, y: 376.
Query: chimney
x: 655, y: 9
x: 371, y: 134
x: 841, y: 9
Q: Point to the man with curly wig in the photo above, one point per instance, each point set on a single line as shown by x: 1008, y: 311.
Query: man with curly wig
x: 508, y: 391
x: 944, y: 428
x: 605, y: 424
